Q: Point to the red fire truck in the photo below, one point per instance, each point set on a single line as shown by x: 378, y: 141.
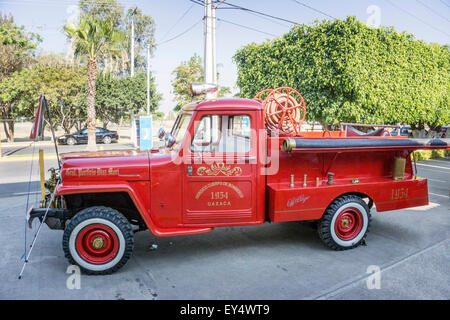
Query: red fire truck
x: 232, y: 162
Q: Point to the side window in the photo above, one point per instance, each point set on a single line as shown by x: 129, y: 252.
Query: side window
x: 207, y: 135
x: 223, y: 133
x: 237, y: 135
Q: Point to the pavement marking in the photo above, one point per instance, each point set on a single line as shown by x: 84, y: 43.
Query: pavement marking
x: 439, y: 195
x: 436, y: 180
x: 429, y: 165
x: 24, y: 193
x: 440, y: 161
x: 434, y: 170
x: 352, y: 283
x: 429, y: 206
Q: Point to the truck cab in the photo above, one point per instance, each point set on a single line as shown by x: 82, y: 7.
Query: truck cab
x: 211, y: 175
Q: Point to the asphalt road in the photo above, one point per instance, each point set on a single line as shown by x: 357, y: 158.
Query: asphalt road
x: 49, y: 148
x: 274, y: 261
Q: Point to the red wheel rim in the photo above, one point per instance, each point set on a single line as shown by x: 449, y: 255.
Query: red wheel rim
x: 348, y: 224
x: 97, y: 243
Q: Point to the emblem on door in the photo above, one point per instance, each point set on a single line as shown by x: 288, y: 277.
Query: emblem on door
x: 218, y: 169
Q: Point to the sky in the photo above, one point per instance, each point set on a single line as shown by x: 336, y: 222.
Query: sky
x: 428, y: 20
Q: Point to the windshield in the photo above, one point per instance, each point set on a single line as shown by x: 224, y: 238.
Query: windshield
x: 180, y: 126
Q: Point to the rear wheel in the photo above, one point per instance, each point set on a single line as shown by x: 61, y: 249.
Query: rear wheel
x: 99, y: 240
x: 345, y: 223
x: 107, y: 140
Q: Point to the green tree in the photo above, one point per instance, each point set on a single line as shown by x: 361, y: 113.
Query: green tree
x: 120, y: 96
x: 93, y: 38
x: 102, y: 10
x: 347, y: 71
x: 63, y: 88
x: 143, y: 29
x: 188, y: 72
x: 17, y: 49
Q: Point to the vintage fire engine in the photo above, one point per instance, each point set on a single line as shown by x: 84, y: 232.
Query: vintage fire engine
x: 232, y: 162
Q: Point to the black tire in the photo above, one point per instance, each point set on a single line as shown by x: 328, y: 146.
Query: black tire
x: 71, y: 141
x: 113, y: 234
x: 107, y: 140
x: 345, y: 223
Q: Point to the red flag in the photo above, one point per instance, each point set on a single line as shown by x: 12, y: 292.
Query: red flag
x: 38, y: 125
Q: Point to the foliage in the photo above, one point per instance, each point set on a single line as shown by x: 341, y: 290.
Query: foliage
x: 94, y: 38
x: 111, y: 10
x: 16, y: 51
x: 16, y: 46
x: 63, y: 87
x: 430, y: 154
x: 103, y: 10
x: 118, y: 96
x: 186, y: 73
x: 347, y: 71
x: 144, y: 31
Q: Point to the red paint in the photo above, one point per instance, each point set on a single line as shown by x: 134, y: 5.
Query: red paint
x: 97, y: 232
x: 348, y: 224
x: 175, y: 196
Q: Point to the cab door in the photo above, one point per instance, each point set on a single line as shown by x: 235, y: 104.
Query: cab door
x: 220, y: 182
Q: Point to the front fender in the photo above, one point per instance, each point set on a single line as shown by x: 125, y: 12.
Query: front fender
x: 139, y: 201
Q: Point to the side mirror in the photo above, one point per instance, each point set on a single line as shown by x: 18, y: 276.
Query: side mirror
x: 170, y: 140
x: 161, y: 134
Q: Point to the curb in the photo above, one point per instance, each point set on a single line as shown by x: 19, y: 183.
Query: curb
x: 26, y: 158
x: 25, y: 144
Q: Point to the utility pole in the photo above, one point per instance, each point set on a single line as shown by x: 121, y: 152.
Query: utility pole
x: 132, y: 41
x: 132, y: 47
x: 148, y: 79
x: 214, y: 62
x: 209, y: 54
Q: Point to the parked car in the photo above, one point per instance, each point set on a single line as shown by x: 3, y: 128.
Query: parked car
x: 444, y: 133
x: 404, y: 131
x: 102, y: 136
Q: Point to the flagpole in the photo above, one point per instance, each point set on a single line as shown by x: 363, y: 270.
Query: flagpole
x: 53, y: 132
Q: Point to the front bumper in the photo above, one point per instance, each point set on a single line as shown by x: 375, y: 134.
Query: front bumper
x: 55, y: 219
x: 62, y: 140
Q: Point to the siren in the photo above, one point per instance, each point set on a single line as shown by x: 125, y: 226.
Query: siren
x: 202, y: 88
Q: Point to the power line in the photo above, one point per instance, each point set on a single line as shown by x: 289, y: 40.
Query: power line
x: 182, y: 33
x: 59, y: 3
x: 432, y: 10
x: 240, y: 25
x: 246, y: 27
x: 314, y: 9
x: 265, y: 18
x: 416, y: 17
x: 260, y: 13
x: 179, y: 19
x: 251, y: 11
x: 445, y: 3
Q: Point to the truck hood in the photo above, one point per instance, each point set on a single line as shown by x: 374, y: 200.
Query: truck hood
x: 105, y: 166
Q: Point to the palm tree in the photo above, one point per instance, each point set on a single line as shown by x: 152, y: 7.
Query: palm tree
x: 93, y: 38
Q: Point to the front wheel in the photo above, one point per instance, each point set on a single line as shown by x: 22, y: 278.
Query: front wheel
x: 345, y: 223
x: 99, y: 240
x: 71, y: 141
